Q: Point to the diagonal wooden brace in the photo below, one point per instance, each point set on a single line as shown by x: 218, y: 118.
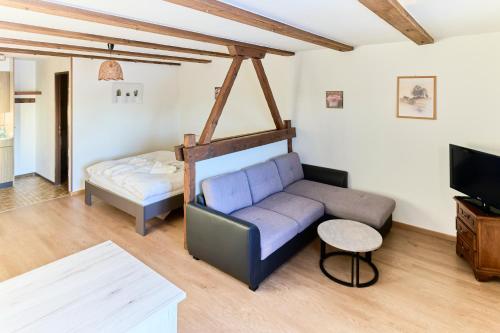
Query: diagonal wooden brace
x: 220, y: 102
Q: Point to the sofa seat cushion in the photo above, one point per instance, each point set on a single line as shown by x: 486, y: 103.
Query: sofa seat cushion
x: 303, y: 210
x: 228, y: 192
x: 289, y: 168
x: 264, y: 180
x: 275, y: 229
x: 372, y: 209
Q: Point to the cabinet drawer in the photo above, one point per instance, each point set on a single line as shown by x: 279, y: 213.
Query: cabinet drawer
x: 467, y: 217
x: 465, y: 233
x: 465, y: 251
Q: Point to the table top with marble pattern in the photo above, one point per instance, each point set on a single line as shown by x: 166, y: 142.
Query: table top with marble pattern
x: 350, y: 236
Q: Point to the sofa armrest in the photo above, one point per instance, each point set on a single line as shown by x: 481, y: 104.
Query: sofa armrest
x: 226, y: 242
x: 325, y: 175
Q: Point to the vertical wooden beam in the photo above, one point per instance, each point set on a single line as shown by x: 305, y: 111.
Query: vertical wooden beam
x: 189, y: 178
x: 288, y: 125
x: 220, y: 102
x: 266, y: 88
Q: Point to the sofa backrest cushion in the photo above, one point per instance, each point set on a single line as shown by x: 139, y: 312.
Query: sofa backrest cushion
x: 228, y: 192
x: 289, y: 168
x: 264, y: 180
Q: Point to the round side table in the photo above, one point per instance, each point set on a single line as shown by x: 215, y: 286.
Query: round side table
x: 352, y: 238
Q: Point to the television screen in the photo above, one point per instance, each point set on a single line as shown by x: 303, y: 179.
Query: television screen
x: 475, y: 174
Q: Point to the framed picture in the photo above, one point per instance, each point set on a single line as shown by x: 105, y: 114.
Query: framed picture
x: 416, y: 97
x: 217, y: 91
x: 130, y: 93
x: 334, y: 99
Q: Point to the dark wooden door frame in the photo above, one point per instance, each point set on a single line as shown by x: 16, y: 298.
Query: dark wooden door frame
x: 57, y: 178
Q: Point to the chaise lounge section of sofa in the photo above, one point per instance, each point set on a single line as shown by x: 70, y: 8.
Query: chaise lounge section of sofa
x: 247, y: 223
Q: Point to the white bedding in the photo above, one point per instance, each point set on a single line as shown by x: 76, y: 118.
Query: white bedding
x: 144, y: 178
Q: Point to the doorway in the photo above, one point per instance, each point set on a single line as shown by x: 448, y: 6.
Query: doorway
x: 34, y: 138
x: 61, y: 126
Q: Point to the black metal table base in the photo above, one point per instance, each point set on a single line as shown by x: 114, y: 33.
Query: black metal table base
x: 355, y: 258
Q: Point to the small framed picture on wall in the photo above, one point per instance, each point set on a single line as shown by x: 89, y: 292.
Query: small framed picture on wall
x: 416, y: 97
x: 335, y: 99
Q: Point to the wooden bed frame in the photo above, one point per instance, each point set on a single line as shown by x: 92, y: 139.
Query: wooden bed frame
x: 140, y: 212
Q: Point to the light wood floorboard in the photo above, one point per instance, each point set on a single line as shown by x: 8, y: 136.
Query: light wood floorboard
x: 423, y: 285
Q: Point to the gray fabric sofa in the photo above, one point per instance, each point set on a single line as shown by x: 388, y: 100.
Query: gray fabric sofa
x: 249, y: 222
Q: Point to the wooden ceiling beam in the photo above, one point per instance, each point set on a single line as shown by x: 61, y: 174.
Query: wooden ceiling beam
x: 122, y: 22
x: 396, y: 15
x: 24, y: 42
x: 236, y: 50
x: 221, y: 9
x: 105, y: 39
x: 76, y: 55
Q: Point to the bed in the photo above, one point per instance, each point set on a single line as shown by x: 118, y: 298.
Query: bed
x: 144, y: 186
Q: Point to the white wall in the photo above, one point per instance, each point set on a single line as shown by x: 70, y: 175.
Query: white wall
x: 402, y: 158
x: 246, y: 109
x: 5, y: 66
x: 25, y: 118
x: 103, y: 130
x: 45, y: 113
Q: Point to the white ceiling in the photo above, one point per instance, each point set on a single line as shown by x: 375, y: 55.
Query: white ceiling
x: 343, y: 20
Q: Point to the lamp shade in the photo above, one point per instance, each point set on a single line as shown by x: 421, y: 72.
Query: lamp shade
x: 110, y: 70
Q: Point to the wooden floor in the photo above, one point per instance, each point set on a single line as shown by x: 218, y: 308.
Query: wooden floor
x: 423, y: 286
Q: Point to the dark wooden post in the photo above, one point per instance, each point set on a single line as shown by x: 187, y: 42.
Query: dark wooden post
x: 189, y: 178
x: 288, y: 125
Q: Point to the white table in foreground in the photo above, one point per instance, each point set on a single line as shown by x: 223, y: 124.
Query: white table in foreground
x: 101, y: 289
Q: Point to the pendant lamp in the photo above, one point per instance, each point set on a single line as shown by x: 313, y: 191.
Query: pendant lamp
x: 110, y: 69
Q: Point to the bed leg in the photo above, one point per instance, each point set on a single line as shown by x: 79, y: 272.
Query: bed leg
x: 88, y: 197
x: 140, y: 225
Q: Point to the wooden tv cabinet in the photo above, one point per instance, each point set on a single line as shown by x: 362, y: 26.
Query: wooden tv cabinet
x: 478, y: 239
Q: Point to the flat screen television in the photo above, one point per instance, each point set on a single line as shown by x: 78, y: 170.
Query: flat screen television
x: 476, y: 174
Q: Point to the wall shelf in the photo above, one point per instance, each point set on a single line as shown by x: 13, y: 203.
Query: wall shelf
x: 27, y: 93
x: 24, y: 100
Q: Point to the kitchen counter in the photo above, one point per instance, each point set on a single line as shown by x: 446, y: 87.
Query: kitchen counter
x: 6, y: 142
x: 6, y: 162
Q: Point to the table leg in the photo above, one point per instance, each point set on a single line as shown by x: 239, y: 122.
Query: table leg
x: 352, y: 269
x: 357, y: 269
x: 355, y: 258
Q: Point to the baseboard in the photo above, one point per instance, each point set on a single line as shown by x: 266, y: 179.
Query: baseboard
x: 424, y: 231
x: 74, y: 193
x: 50, y: 181
x: 29, y: 174
x: 6, y: 185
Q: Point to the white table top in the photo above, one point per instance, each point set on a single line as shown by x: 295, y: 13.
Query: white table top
x: 101, y: 289
x: 350, y: 235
